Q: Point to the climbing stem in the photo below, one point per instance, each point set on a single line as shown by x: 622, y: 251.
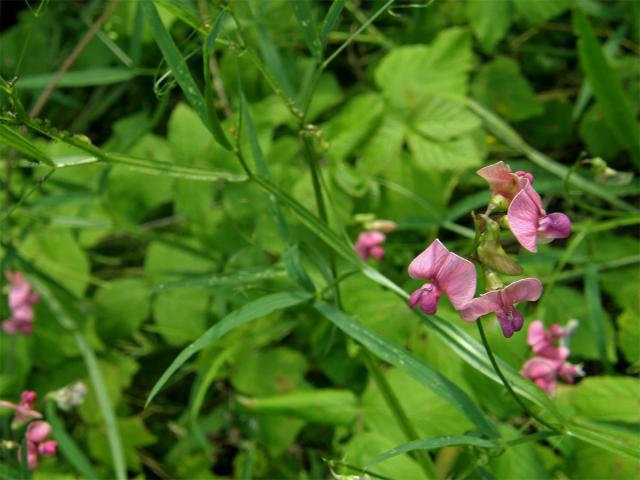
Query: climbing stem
x: 516, y: 397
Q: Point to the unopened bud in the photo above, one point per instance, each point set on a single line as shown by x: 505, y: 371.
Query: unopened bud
x: 498, y: 203
x: 385, y: 226
x: 492, y: 280
x: 491, y: 253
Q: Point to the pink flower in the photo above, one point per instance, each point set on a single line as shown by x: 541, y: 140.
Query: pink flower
x: 24, y: 410
x: 368, y: 244
x: 551, y: 359
x: 529, y: 222
x: 447, y: 273
x: 502, y: 303
x: 21, y: 298
x: 37, y: 443
x: 503, y: 181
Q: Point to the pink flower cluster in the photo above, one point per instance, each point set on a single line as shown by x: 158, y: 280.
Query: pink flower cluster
x: 37, y: 431
x: 550, y: 361
x: 21, y: 300
x: 369, y: 244
x: 448, y: 273
x: 455, y: 276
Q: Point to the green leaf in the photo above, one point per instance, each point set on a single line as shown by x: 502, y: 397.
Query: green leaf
x: 330, y: 20
x: 78, y: 78
x: 248, y: 312
x: 607, y: 399
x: 432, y: 444
x: 271, y: 371
x: 594, y: 437
x: 302, y: 10
x: 438, y: 155
x: 333, y: 407
x: 180, y: 70
x: 489, y: 20
x: 122, y: 305
x: 501, y: 87
x: 538, y: 11
x: 13, y: 139
x: 70, y: 450
x: 595, y: 314
x: 607, y: 89
x: 403, y: 360
x: 134, y: 436
x: 442, y: 68
x: 441, y: 118
x: 629, y: 335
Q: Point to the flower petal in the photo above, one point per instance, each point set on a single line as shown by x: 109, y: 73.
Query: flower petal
x: 457, y: 279
x: 523, y: 216
x: 527, y: 289
x: 484, y: 304
x: 38, y: 431
x: 428, y: 263
x: 554, y: 225
x: 500, y: 178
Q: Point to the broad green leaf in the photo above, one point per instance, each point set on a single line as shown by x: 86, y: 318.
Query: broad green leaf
x: 13, y: 139
x: 334, y: 407
x: 597, y: 136
x: 248, y: 312
x: 500, y: 86
x: 403, y: 360
x: 522, y: 458
x: 79, y: 78
x: 411, y: 72
x: 538, y: 11
x: 440, y: 118
x: 302, y: 10
x: 437, y: 155
x: 180, y: 70
x: 68, y: 447
x: 432, y: 444
x: 629, y: 335
x: 134, y: 436
x: 266, y: 372
x: 607, y: 399
x: 606, y: 88
x: 489, y: 20
x: 122, y: 305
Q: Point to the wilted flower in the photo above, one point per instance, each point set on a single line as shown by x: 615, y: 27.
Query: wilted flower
x: 529, y: 222
x: 21, y: 299
x: 503, y: 181
x: 24, y: 410
x: 447, y: 273
x: 502, y: 303
x: 368, y: 244
x: 71, y: 395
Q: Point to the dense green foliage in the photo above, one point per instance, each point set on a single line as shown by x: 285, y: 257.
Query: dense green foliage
x: 186, y: 197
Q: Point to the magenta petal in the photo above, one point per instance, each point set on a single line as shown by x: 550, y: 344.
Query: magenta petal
x: 48, y: 448
x: 38, y: 431
x: 427, y: 264
x: 457, y: 278
x: 554, y: 225
x: 377, y: 252
x: 527, y: 289
x: 523, y: 216
x: 426, y: 297
x: 484, y: 304
x: 536, y: 335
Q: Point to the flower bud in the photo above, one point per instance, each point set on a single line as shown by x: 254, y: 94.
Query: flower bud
x: 491, y: 253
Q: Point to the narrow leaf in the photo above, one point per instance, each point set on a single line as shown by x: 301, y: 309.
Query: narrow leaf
x: 302, y: 9
x: 13, y: 139
x: 178, y: 65
x: 330, y: 20
x: 595, y: 314
x: 67, y: 445
x: 419, y: 371
x: 248, y: 312
x: 605, y: 442
x: 89, y: 77
x: 607, y: 88
x: 229, y: 280
x: 432, y: 444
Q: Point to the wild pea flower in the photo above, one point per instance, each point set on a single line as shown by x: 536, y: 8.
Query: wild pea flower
x: 503, y: 181
x: 24, y: 410
x: 502, y: 303
x: 369, y: 244
x: 529, y: 222
x: 21, y: 300
x: 447, y: 273
x: 37, y: 443
x: 551, y: 355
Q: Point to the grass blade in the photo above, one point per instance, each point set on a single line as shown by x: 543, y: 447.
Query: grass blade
x: 302, y: 10
x: 13, y: 139
x: 423, y: 374
x: 330, y: 20
x: 604, y: 441
x: 229, y: 280
x: 79, y: 78
x: 248, y: 312
x: 607, y: 89
x: 595, y: 314
x: 68, y: 447
x: 509, y: 136
x: 178, y: 65
x: 432, y: 444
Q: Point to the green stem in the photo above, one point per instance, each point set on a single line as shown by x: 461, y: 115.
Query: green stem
x: 399, y: 415
x: 524, y: 407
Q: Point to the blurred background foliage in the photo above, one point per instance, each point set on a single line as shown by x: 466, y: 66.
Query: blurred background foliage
x: 400, y: 119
